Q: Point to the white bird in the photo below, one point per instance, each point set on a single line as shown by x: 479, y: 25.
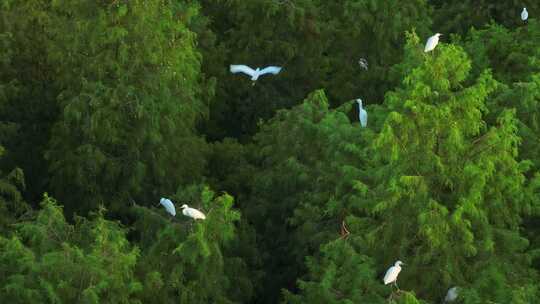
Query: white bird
x: 192, y: 213
x: 524, y: 14
x: 169, y: 206
x: 362, y: 114
x: 432, y: 42
x: 363, y: 63
x: 392, y: 273
x: 255, y: 74
x: 451, y: 295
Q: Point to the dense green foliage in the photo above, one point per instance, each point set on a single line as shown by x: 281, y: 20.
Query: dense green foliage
x: 107, y: 106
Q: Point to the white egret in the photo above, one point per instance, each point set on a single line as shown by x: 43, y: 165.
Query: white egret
x: 192, y: 213
x: 524, y: 14
x: 169, y: 206
x: 362, y: 114
x: 451, y: 295
x: 432, y: 42
x: 363, y: 63
x: 392, y: 274
x: 255, y: 74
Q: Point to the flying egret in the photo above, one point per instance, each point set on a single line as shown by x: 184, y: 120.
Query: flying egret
x: 255, y: 74
x: 363, y: 63
x: 524, y: 14
x: 169, y: 206
x: 362, y: 114
x: 451, y: 295
x: 392, y: 274
x: 432, y: 42
x: 192, y: 213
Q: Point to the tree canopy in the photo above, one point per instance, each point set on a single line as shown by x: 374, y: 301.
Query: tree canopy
x: 108, y: 106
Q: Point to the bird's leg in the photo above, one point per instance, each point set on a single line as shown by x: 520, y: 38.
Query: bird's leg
x: 395, y: 283
x: 344, y: 232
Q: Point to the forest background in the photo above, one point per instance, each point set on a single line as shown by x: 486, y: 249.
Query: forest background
x: 108, y: 105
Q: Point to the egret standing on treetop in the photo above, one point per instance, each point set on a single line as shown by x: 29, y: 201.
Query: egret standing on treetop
x: 192, y: 213
x: 362, y: 114
x: 432, y: 42
x: 169, y: 206
x: 524, y: 14
x: 392, y: 274
x: 254, y: 73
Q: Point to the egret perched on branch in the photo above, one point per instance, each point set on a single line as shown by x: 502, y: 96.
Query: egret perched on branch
x: 432, y: 42
x: 192, y: 213
x: 524, y: 14
x: 363, y: 63
x: 392, y: 274
x: 254, y: 73
x: 362, y: 114
x: 451, y: 295
x: 169, y: 206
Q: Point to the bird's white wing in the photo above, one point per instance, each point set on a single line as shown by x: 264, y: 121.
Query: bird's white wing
x: 431, y: 43
x: 391, y: 275
x: 524, y: 15
x: 240, y: 68
x: 270, y: 69
x: 169, y: 206
x: 363, y: 118
x: 196, y: 214
x: 451, y: 295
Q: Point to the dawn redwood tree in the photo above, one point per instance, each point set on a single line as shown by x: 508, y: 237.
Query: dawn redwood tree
x: 511, y: 53
x: 339, y: 274
x: 48, y: 260
x: 187, y: 261
x: 130, y: 78
x: 307, y: 160
x: 27, y: 94
x: 449, y: 192
x: 12, y: 204
x: 514, y: 57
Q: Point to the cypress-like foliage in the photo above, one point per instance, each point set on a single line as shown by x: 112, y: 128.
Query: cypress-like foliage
x: 116, y: 103
x: 192, y: 262
x: 450, y: 191
x: 27, y: 94
x: 129, y: 73
x: 48, y: 260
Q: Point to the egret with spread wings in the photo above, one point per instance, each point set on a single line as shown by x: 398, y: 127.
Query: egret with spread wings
x: 255, y: 74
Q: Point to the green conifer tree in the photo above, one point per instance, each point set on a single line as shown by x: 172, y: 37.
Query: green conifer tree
x: 48, y: 260
x: 192, y: 262
x: 449, y: 192
x: 130, y: 80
